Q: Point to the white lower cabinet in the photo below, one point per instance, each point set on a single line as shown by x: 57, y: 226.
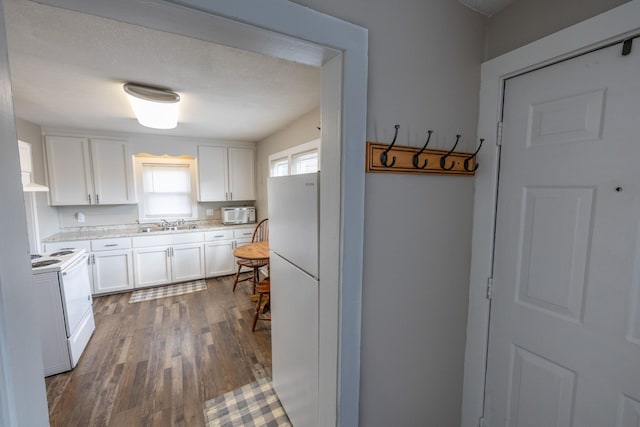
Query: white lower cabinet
x: 220, y: 260
x: 110, y: 262
x: 187, y: 262
x: 111, y: 265
x: 162, y: 259
x: 152, y: 266
x: 124, y: 263
x: 112, y: 271
x: 219, y: 246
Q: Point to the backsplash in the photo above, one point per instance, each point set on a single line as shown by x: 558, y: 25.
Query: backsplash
x: 123, y: 215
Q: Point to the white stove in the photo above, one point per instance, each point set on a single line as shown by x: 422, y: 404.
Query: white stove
x: 55, y: 261
x: 64, y: 307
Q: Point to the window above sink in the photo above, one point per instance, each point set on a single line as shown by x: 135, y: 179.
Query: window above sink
x: 166, y: 189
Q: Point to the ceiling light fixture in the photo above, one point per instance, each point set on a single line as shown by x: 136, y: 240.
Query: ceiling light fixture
x: 155, y: 108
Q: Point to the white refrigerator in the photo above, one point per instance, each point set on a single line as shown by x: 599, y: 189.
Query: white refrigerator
x: 293, y: 240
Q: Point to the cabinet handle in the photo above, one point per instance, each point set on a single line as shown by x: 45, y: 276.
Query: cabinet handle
x: 97, y: 199
x: 89, y: 198
x: 111, y: 245
x: 219, y: 235
x: 231, y: 195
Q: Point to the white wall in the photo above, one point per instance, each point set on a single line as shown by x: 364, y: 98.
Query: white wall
x: 424, y: 73
x: 527, y: 20
x: 302, y: 130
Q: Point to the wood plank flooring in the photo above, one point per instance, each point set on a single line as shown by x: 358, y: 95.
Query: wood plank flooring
x: 155, y: 363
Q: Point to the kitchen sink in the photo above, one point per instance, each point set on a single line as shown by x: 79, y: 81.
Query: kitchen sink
x: 168, y: 228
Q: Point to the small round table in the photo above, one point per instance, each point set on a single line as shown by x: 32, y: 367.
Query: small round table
x: 255, y: 251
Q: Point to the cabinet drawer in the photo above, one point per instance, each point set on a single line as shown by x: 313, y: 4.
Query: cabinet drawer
x: 210, y: 236
x: 167, y: 239
x: 75, y: 244
x: 243, y: 233
x: 110, y: 244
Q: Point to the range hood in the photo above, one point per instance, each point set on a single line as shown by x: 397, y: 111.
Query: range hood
x: 26, y: 168
x: 33, y: 187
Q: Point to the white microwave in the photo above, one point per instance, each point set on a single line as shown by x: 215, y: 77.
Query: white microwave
x: 243, y: 215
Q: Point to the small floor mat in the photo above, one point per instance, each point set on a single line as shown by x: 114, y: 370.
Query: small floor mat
x: 253, y: 405
x: 167, y: 291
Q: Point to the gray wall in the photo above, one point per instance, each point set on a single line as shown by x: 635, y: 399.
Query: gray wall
x: 424, y: 73
x: 47, y: 215
x: 302, y: 130
x: 528, y: 20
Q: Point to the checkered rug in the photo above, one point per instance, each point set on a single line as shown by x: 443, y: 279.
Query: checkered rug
x: 167, y: 291
x: 253, y: 405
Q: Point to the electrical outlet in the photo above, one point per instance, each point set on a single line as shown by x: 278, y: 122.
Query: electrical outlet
x: 80, y: 217
x: 209, y: 212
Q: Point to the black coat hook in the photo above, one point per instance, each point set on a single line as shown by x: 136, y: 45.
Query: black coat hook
x: 383, y: 155
x: 443, y: 159
x: 416, y: 157
x: 468, y: 159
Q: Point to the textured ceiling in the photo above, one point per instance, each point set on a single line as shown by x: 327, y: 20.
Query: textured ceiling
x: 487, y: 7
x: 68, y: 69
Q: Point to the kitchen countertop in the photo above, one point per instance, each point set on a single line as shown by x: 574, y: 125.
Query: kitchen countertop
x: 132, y: 230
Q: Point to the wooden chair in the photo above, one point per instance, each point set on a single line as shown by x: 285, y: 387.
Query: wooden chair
x: 264, y: 290
x: 260, y: 234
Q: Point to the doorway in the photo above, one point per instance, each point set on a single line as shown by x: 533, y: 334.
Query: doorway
x: 343, y: 125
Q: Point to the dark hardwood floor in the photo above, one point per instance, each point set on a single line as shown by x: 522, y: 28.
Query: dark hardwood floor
x: 155, y: 363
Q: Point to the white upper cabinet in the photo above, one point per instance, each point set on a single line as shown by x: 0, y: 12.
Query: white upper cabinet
x: 111, y: 171
x: 226, y: 174
x: 213, y: 174
x: 88, y: 171
x: 242, y: 181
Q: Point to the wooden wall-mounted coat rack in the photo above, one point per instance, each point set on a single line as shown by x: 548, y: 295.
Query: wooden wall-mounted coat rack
x: 400, y: 159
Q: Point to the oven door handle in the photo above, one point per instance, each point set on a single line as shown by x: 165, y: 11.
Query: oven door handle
x: 79, y: 263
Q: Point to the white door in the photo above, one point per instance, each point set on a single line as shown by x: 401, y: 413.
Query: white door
x: 112, y: 271
x: 112, y: 174
x: 212, y: 174
x: 69, y: 170
x: 242, y: 181
x: 294, y: 341
x: 151, y: 266
x: 564, y: 345
x: 219, y: 258
x: 187, y: 262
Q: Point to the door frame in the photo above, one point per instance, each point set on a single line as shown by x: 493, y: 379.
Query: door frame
x: 601, y: 30
x: 290, y: 31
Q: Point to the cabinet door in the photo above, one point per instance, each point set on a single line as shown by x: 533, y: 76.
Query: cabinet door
x: 151, y: 266
x: 212, y: 174
x: 242, y: 185
x: 112, y: 172
x: 219, y: 258
x: 69, y: 170
x: 187, y: 262
x: 112, y: 271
